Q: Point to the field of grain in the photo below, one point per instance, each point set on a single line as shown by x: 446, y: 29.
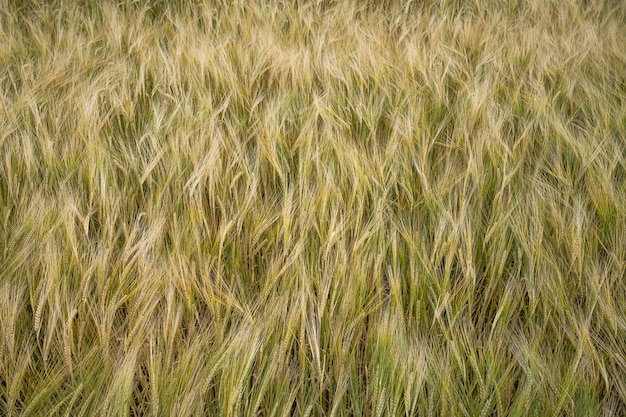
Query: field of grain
x: 313, y: 208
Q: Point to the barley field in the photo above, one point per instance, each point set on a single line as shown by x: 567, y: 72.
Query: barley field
x: 313, y: 208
